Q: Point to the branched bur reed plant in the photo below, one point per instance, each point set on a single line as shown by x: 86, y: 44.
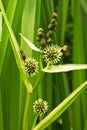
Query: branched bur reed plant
x: 50, y: 57
x: 50, y: 54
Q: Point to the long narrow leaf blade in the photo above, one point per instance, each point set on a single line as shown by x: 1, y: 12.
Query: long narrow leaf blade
x: 0, y: 25
x: 32, y: 46
x: 15, y: 48
x: 84, y: 5
x: 10, y: 11
x: 79, y: 57
x: 64, y: 68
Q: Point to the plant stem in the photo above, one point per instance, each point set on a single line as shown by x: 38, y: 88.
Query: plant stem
x: 35, y: 121
x: 41, y: 75
x: 26, y: 111
x: 38, y: 80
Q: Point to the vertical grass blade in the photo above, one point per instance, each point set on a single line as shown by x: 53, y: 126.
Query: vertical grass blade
x: 64, y: 19
x: 84, y: 30
x: 10, y: 92
x: 62, y: 8
x: 3, y: 44
x: 1, y: 118
x: 78, y: 77
x: 0, y: 25
x: 30, y: 24
x: 84, y: 5
x: 11, y: 120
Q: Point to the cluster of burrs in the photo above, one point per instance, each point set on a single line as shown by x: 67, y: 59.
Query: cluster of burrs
x: 51, y: 29
x: 40, y: 37
x: 51, y: 53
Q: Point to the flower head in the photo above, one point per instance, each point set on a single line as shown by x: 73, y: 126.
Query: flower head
x: 40, y: 107
x: 31, y: 66
x: 52, y: 54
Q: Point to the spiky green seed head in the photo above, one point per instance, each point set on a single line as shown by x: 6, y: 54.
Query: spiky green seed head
x: 52, y: 54
x: 31, y: 66
x: 40, y: 107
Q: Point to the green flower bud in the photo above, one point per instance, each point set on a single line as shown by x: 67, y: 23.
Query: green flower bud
x: 53, y: 20
x: 65, y: 48
x: 50, y: 33
x: 50, y: 26
x: 54, y: 15
x: 40, y: 34
x: 40, y: 30
x: 50, y: 41
x: 43, y: 42
x: 38, y: 38
x: 55, y: 24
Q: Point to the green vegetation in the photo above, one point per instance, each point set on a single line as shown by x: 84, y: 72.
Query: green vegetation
x: 43, y: 65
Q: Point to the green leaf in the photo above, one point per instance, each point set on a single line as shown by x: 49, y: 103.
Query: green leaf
x: 61, y: 79
x: 9, y: 86
x: 84, y: 5
x: 61, y: 107
x: 10, y: 89
x: 64, y: 68
x: 0, y: 25
x: 64, y: 19
x: 31, y: 45
x: 10, y: 10
x: 85, y: 128
x: 16, y: 51
x: 29, y: 26
x: 1, y: 119
x: 79, y: 57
